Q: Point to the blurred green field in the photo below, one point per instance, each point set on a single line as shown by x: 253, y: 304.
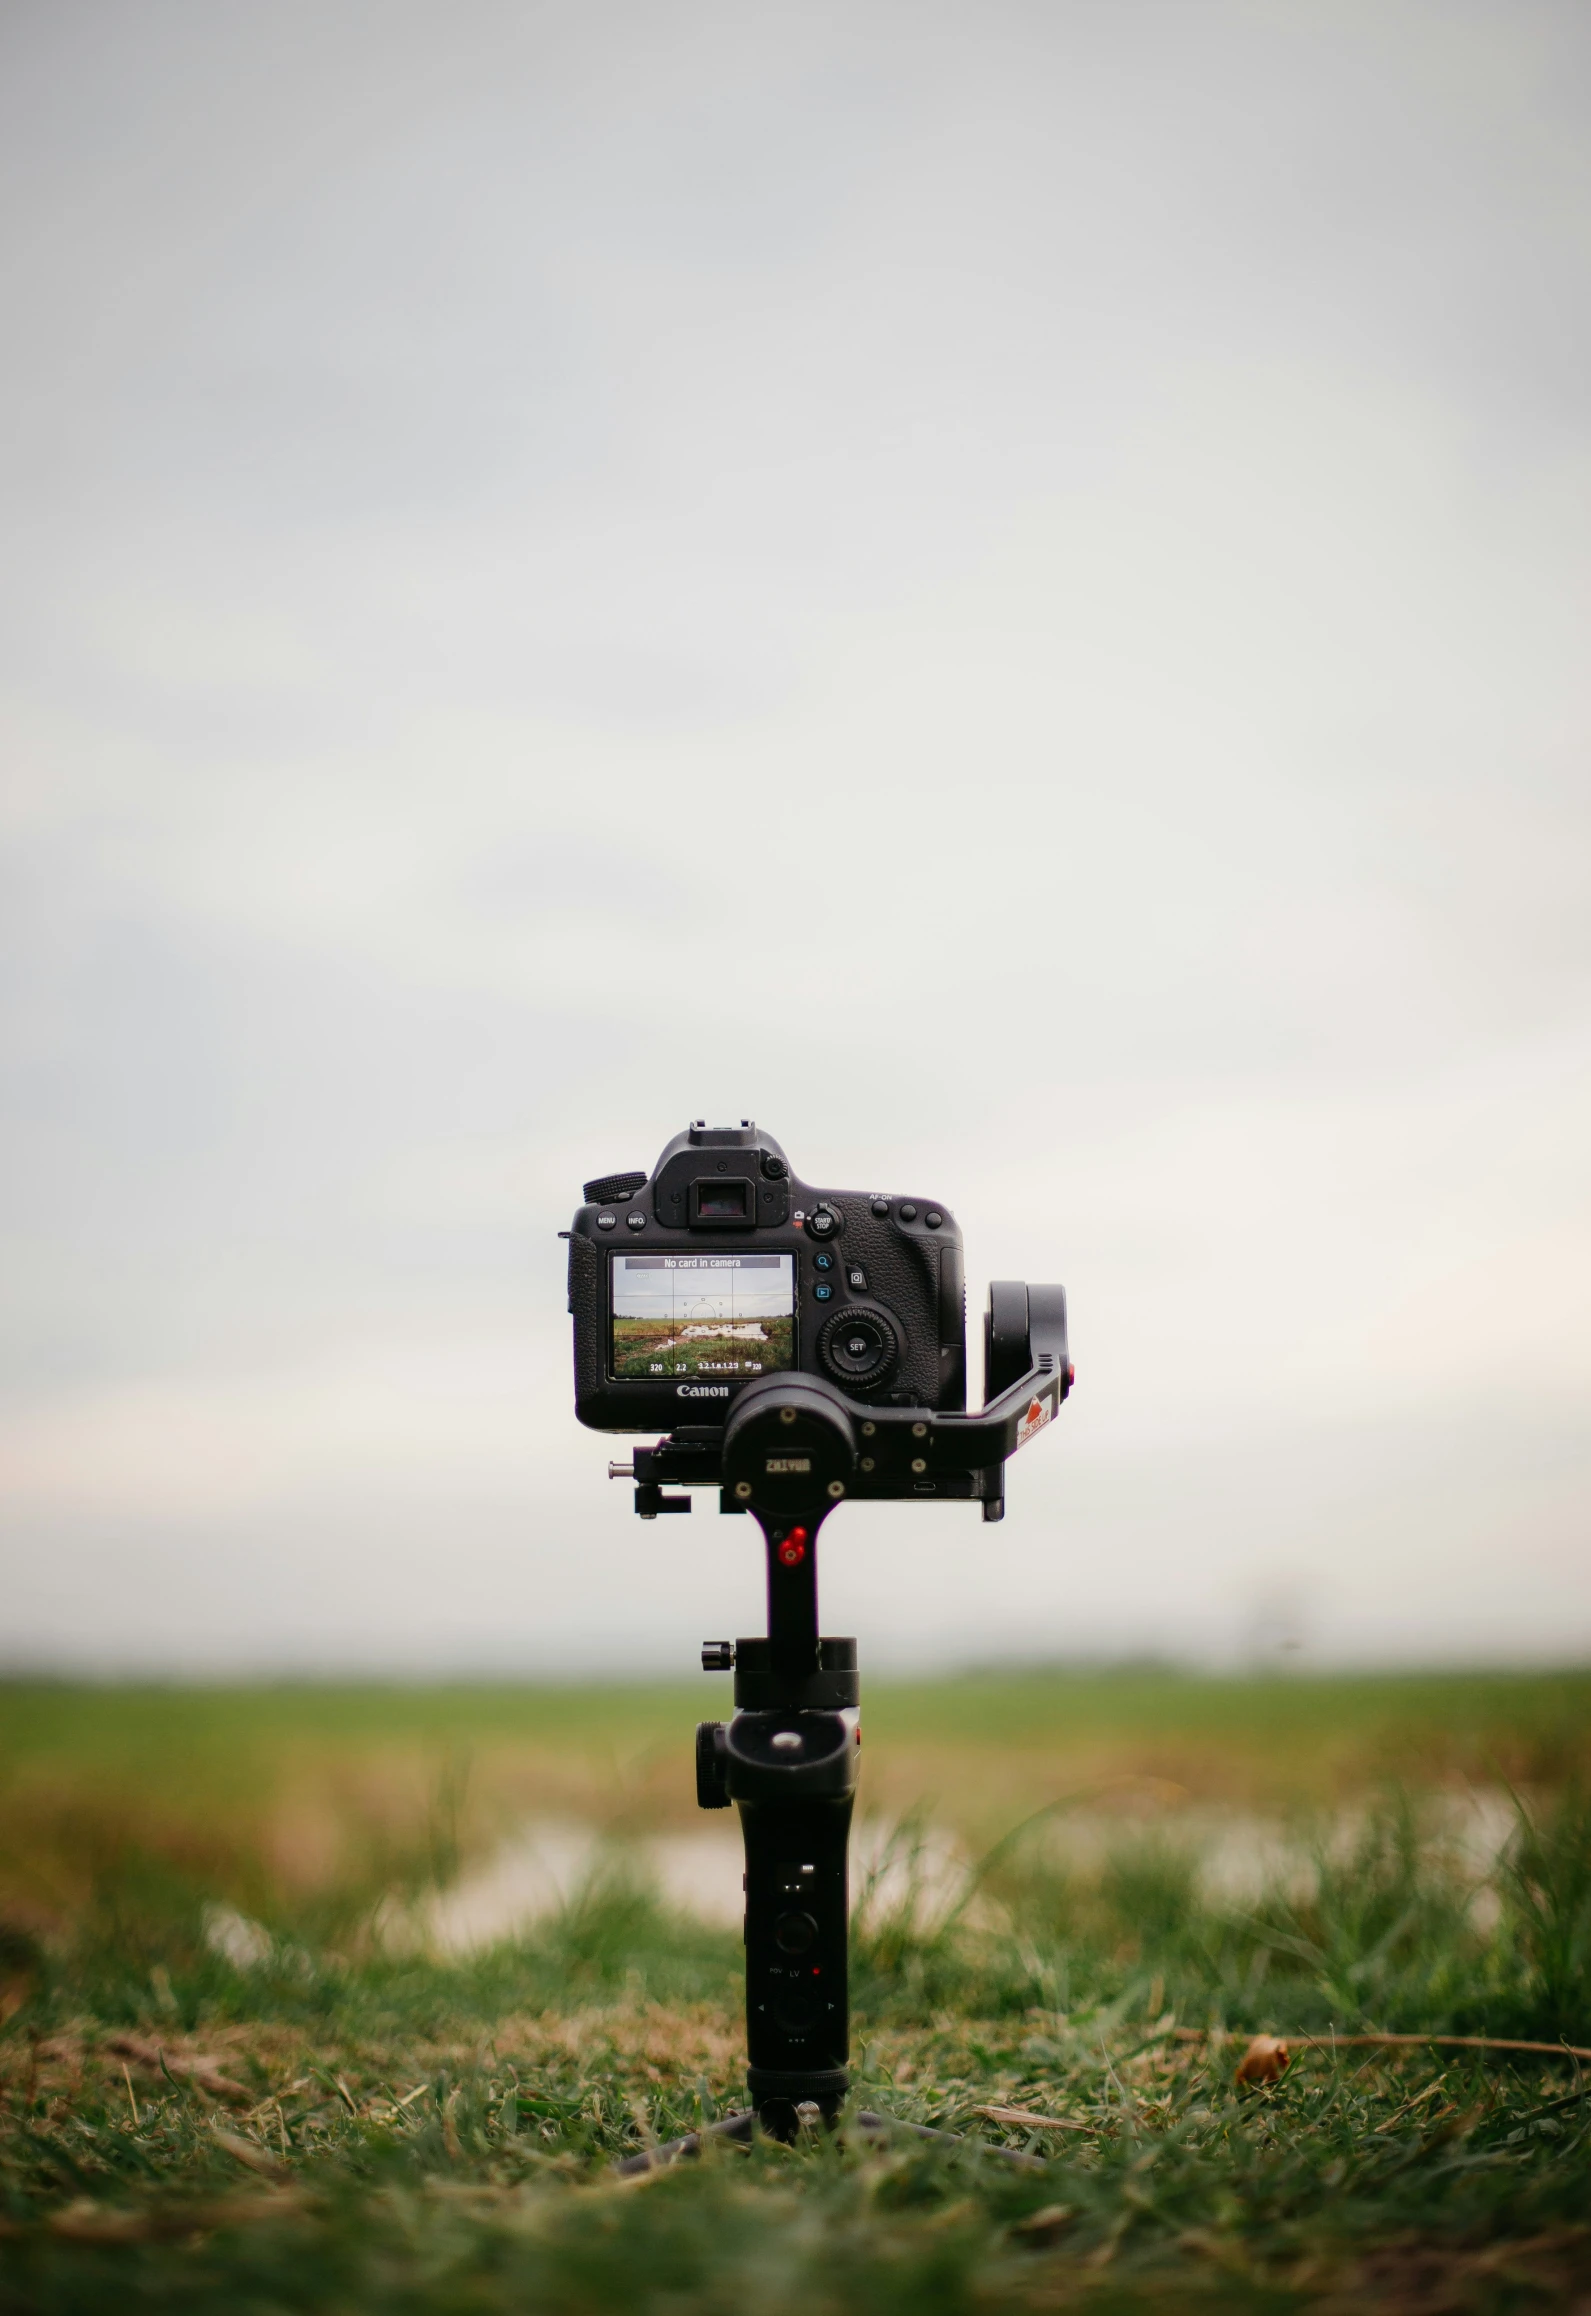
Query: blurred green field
x: 284, y: 1792
x: 319, y: 2118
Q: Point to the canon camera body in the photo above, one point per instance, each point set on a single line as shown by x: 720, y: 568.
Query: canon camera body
x: 721, y: 1274
x: 722, y: 1266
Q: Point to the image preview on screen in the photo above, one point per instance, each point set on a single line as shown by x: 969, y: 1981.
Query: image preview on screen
x: 701, y: 1314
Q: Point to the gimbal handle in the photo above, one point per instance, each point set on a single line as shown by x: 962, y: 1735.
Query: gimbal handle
x: 789, y: 1758
x: 788, y: 1761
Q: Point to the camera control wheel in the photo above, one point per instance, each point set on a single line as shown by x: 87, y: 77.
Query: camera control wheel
x: 858, y: 1347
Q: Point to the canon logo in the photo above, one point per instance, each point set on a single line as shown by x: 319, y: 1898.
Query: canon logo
x: 702, y: 1390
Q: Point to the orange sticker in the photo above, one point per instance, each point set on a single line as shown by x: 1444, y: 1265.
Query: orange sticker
x: 1036, y: 1415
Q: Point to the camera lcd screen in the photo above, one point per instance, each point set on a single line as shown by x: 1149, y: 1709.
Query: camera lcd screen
x: 701, y: 1314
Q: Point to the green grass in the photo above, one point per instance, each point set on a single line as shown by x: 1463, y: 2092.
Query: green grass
x: 416, y: 2135
x: 657, y: 1347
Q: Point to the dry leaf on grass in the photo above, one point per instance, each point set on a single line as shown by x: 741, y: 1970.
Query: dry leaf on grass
x: 252, y: 2155
x: 1265, y: 2060
x: 1019, y: 2119
x: 1046, y: 2226
x: 202, y: 2071
x: 21, y: 1969
x: 87, y: 2222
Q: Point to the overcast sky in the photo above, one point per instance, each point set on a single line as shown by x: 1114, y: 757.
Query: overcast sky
x: 710, y: 1288
x: 1002, y: 588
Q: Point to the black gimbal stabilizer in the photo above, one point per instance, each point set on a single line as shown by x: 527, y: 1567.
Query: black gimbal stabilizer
x: 815, y: 1339
x: 789, y: 1758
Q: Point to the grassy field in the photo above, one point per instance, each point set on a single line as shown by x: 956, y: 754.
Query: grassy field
x: 694, y: 1347
x: 379, y: 2128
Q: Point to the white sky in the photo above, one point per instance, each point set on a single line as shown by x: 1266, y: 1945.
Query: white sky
x: 1002, y: 588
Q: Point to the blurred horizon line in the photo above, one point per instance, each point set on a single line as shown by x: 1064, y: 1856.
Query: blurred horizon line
x: 1288, y: 1667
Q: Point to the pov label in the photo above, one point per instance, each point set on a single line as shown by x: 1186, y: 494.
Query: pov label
x: 1035, y: 1416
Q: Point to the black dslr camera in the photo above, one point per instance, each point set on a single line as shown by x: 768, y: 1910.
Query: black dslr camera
x: 799, y: 1348
x: 720, y: 1271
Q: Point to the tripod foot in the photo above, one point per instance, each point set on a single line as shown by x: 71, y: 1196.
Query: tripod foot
x: 779, y: 2124
x: 742, y: 2127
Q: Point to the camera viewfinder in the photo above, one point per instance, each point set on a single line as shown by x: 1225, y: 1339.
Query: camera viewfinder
x: 720, y: 1201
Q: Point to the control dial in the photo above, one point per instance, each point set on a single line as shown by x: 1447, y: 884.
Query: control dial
x: 613, y: 1189
x: 858, y: 1347
x: 712, y: 1766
